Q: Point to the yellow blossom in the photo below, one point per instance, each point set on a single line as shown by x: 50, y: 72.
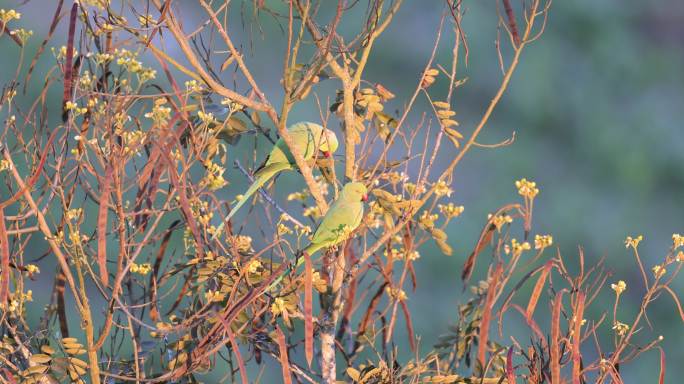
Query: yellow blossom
x: 278, y: 306
x: 542, y: 241
x: 253, y: 266
x: 142, y: 269
x: 527, y: 188
x: 213, y: 296
x: 283, y: 229
x: 450, y: 210
x: 396, y: 293
x: 243, y: 243
x: 318, y: 282
x: 517, y: 248
x: 7, y: 15
x: 442, y: 189
x: 633, y: 241
x: 620, y: 328
x: 500, y: 220
x: 32, y: 268
x: 658, y: 271
x: 297, y: 196
x: 677, y: 240
x: 619, y: 287
x: 312, y: 211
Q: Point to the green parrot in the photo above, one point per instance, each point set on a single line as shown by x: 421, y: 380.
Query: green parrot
x: 308, y: 137
x: 343, y: 217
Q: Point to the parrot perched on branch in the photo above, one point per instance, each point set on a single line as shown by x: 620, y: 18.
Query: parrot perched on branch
x: 343, y: 217
x: 309, y: 138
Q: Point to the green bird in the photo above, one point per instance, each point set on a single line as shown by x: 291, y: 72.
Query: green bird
x: 343, y: 217
x: 309, y: 138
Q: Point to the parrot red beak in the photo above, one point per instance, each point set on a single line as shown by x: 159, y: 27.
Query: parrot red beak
x: 327, y: 154
x: 364, y: 198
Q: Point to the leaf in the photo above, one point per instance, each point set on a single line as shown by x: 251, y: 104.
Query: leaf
x: 40, y: 358
x: 47, y: 349
x: 353, y: 374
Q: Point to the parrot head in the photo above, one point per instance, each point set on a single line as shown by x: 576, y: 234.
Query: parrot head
x: 329, y: 143
x: 355, y: 191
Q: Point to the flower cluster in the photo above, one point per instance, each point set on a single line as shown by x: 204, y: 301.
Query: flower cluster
x: 160, y: 114
x: 499, y: 220
x: 516, y: 247
x: 450, y: 210
x: 214, y: 178
x: 443, y: 189
x: 659, y: 271
x: 142, y: 269
x: 619, y: 287
x: 527, y: 188
x: 8, y: 15
x: 542, y: 241
x: 396, y: 293
x: 620, y: 328
x: 633, y: 241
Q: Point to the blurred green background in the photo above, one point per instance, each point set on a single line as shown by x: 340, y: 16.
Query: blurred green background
x: 596, y: 104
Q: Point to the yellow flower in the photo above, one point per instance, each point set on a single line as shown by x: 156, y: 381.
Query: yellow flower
x: 517, y: 248
x: 243, y: 243
x: 313, y: 211
x: 213, y: 296
x: 633, y: 241
x: 450, y: 210
x: 396, y: 293
x: 680, y: 256
x: 318, y: 282
x: 677, y: 240
x: 32, y: 268
x: 620, y: 328
x: 542, y: 241
x: 278, y: 306
x: 283, y: 229
x: 7, y: 15
x: 442, y: 188
x: 253, y: 266
x: 619, y: 287
x: 527, y: 188
x: 500, y: 220
x: 658, y: 271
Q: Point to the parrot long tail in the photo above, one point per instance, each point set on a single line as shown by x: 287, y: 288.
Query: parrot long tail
x: 261, y: 177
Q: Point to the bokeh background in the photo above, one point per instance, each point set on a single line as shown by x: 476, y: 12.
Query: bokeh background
x: 597, y: 106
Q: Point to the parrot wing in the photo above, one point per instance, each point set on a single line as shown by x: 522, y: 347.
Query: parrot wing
x: 342, y: 218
